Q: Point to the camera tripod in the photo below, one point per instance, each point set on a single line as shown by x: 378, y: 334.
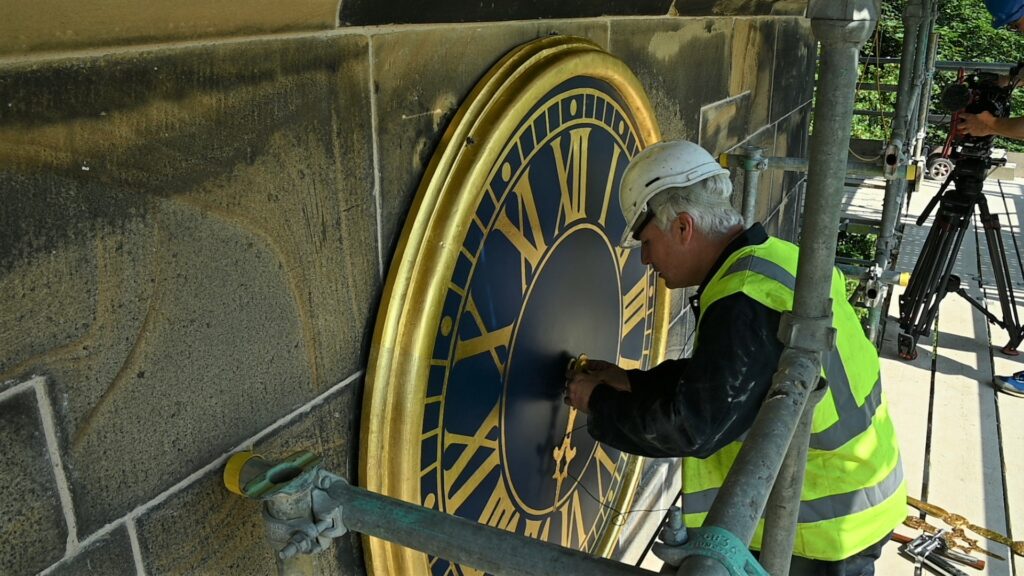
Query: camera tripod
x: 932, y: 277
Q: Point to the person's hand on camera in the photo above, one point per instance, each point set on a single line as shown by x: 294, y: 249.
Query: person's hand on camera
x: 981, y: 124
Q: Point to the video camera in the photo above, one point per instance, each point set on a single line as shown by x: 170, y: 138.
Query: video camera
x: 933, y: 276
x: 975, y: 93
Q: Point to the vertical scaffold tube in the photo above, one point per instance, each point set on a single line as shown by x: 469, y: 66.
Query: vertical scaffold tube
x: 914, y: 30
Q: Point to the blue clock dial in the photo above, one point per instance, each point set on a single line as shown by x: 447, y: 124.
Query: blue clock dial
x: 507, y: 266
x: 538, y: 279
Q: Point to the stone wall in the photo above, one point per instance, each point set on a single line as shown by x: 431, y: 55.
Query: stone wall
x: 193, y: 237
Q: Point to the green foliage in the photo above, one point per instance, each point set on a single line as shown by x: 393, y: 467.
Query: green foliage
x: 965, y: 33
x: 860, y: 246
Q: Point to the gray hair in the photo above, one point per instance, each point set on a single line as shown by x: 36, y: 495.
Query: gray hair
x: 707, y: 202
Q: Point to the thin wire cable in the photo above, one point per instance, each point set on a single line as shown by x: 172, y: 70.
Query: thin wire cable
x: 619, y: 518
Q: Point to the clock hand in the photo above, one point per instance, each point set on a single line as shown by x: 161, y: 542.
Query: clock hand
x: 565, y: 452
x: 953, y: 538
x: 958, y: 521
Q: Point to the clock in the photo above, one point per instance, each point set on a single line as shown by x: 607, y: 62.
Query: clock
x: 507, y: 267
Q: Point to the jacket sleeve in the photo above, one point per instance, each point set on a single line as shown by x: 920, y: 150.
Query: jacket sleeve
x: 708, y: 403
x: 655, y: 380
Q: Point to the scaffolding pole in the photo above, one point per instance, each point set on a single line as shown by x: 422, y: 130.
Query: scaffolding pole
x: 929, y: 79
x: 917, y: 19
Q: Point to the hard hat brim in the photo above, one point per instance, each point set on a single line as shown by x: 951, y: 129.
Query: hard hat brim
x: 681, y: 181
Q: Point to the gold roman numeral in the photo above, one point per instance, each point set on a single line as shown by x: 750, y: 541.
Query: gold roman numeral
x: 610, y: 183
x: 634, y: 306
x: 621, y: 257
x: 477, y: 443
x: 572, y: 175
x: 527, y: 236
x: 574, y: 528
x: 606, y: 472
x: 629, y: 363
x: 500, y: 511
x: 487, y: 341
x: 538, y: 529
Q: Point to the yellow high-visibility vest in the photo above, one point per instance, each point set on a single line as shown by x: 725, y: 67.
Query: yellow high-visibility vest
x: 853, y: 493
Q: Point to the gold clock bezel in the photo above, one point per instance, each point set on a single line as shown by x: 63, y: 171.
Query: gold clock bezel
x: 426, y: 255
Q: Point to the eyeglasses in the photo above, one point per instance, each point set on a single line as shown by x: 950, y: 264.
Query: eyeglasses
x: 641, y: 222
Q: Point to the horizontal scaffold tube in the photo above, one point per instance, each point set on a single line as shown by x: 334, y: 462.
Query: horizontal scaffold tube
x: 463, y: 541
x: 800, y: 165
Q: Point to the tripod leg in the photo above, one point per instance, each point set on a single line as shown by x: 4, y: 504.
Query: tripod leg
x: 1001, y: 272
x: 929, y: 282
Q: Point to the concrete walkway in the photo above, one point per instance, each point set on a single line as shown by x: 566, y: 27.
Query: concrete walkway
x: 962, y: 443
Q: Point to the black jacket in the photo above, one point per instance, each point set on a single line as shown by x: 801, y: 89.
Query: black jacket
x: 695, y: 406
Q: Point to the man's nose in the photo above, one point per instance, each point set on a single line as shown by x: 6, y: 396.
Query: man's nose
x: 643, y: 255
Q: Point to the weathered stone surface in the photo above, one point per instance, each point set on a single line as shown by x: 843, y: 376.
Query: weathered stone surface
x: 791, y: 140
x: 211, y: 209
x: 739, y: 7
x: 368, y: 12
x: 745, y: 110
x: 31, y: 26
x: 724, y: 123
x: 207, y: 530
x: 658, y: 486
x: 32, y: 529
x: 671, y: 57
x: 109, y: 556
x: 421, y: 78
x: 752, y: 66
x: 790, y: 213
x: 795, y: 54
x: 680, y: 329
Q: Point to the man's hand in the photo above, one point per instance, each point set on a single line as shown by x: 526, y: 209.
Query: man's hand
x: 581, y: 383
x: 578, y: 390
x: 983, y: 124
x: 608, y: 373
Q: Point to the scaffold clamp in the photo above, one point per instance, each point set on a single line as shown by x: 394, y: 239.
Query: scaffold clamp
x: 715, y: 543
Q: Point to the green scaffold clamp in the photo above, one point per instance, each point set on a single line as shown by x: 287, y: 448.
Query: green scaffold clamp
x: 722, y: 545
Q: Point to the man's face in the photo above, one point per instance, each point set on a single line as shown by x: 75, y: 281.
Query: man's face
x: 667, y: 252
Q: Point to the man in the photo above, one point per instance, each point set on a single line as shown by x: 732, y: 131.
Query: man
x: 1005, y: 14
x: 675, y: 199
x: 1009, y: 14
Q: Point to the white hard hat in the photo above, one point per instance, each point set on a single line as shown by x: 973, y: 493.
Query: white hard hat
x: 675, y: 164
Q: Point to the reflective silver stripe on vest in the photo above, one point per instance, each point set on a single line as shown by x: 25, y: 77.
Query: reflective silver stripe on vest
x: 850, y: 503
x: 765, y: 268
x: 826, y: 508
x: 853, y: 419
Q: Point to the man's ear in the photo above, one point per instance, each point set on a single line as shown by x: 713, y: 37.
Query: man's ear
x: 684, y: 224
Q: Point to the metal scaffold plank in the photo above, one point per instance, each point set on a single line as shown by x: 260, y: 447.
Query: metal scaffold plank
x: 965, y: 467
x: 1006, y: 198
